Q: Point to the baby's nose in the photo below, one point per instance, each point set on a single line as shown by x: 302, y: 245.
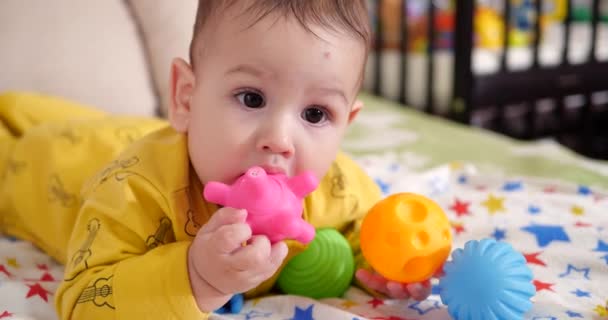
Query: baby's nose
x: 276, y: 140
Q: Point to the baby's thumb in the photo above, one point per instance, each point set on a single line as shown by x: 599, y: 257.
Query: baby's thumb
x: 224, y: 216
x: 278, y: 252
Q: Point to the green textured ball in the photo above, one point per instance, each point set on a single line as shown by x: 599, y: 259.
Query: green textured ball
x: 324, y: 270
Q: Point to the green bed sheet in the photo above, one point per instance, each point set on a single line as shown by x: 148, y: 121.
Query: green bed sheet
x: 422, y: 141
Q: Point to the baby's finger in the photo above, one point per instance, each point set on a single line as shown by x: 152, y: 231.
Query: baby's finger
x: 229, y: 238
x: 222, y: 217
x: 372, y: 280
x: 253, y: 255
x: 419, y: 291
x: 278, y: 252
x: 397, y: 290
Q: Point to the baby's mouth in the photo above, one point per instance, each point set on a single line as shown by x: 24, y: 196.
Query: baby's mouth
x: 270, y: 169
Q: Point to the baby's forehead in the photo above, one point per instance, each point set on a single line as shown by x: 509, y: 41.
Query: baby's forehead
x: 249, y: 13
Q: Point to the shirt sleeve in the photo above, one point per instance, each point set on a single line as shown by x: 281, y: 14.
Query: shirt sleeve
x: 123, y: 261
x: 343, y: 199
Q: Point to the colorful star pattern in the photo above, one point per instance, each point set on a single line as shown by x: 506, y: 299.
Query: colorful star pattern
x: 375, y: 302
x: 532, y: 258
x: 601, y: 246
x: 458, y: 227
x: 573, y: 314
x: 37, y: 290
x: 547, y: 232
x: 532, y: 209
x: 580, y: 293
x: 577, y: 210
x: 347, y: 304
x: 584, y: 190
x: 499, y: 234
x: 4, y: 271
x: 13, y: 263
x: 460, y: 207
x: 494, y: 204
x: 543, y: 285
x: 601, y: 310
x: 570, y: 268
x: 303, y: 314
x: 512, y: 186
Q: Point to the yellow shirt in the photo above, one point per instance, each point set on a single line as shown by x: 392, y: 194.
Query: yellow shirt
x: 131, y: 224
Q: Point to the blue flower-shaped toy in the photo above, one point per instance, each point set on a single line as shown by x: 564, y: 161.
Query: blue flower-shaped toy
x: 486, y: 280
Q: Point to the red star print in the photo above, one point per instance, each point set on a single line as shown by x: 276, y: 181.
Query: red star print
x: 543, y: 285
x: 37, y: 289
x: 391, y: 318
x: 5, y: 314
x: 43, y: 267
x: 461, y: 207
x: 549, y: 189
x: 481, y: 188
x: 598, y: 198
x: 458, y: 228
x: 532, y: 258
x: 47, y: 277
x: 3, y: 270
x: 375, y: 302
x: 582, y: 224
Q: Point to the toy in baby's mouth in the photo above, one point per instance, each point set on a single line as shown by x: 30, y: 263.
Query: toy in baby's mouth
x: 407, y: 238
x: 273, y: 202
x: 274, y: 208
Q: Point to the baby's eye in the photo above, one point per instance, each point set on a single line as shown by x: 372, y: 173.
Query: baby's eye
x: 314, y: 115
x: 251, y: 99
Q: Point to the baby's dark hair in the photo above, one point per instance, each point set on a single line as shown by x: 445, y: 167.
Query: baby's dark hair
x: 339, y: 15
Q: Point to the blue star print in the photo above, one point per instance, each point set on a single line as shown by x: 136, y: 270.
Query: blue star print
x: 580, y: 293
x: 424, y: 310
x: 303, y: 314
x: 545, y: 234
x: 584, y: 271
x: 384, y: 187
x: 499, y: 234
x: 533, y: 209
x: 601, y: 246
x: 512, y: 186
x: 462, y: 179
x: 544, y: 318
x: 605, y: 258
x: 584, y: 190
x: 573, y: 314
x: 256, y: 314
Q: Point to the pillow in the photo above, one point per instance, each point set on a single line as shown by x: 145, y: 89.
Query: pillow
x: 86, y: 51
x: 167, y: 29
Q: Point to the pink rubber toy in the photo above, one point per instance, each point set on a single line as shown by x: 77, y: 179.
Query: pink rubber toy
x: 273, y: 202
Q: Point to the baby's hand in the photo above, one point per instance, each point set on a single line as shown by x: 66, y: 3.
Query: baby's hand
x: 395, y: 290
x: 218, y: 259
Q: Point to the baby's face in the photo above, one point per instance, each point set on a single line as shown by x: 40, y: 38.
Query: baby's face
x: 272, y: 95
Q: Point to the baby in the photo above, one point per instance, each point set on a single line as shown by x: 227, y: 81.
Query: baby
x: 271, y: 83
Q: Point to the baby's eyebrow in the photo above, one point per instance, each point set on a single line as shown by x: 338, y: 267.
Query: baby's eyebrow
x: 334, y: 92
x: 246, y: 68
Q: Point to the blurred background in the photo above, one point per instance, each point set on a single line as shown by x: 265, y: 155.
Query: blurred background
x: 528, y: 69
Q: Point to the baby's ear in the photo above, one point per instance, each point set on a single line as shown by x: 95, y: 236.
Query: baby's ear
x: 357, y: 106
x: 181, y: 87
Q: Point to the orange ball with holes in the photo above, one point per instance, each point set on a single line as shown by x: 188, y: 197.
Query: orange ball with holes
x: 406, y: 237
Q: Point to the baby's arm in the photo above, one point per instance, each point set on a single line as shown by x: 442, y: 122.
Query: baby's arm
x: 113, y: 271
x: 121, y: 267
